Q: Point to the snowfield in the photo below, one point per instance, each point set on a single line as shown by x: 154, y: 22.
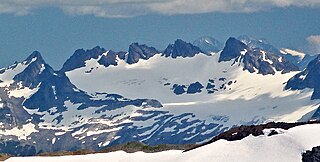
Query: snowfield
x: 251, y: 98
x: 287, y: 146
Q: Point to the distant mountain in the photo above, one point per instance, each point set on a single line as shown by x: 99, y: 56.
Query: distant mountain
x: 77, y: 60
x: 137, y: 52
x: 255, y: 59
x: 260, y: 44
x: 179, y: 95
x: 208, y: 44
x: 308, y: 78
x: 299, y: 59
x: 181, y: 48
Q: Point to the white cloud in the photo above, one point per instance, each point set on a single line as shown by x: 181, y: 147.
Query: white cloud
x: 125, y: 8
x: 314, y: 44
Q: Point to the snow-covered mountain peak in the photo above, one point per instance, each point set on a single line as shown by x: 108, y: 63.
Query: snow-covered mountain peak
x: 101, y: 98
x: 255, y: 59
x: 27, y: 73
x: 259, y: 43
x: 208, y: 44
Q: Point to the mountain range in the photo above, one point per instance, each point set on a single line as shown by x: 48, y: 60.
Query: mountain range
x: 186, y: 93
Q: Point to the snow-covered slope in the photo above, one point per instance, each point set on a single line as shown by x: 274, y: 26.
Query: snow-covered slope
x: 293, y: 52
x: 288, y: 145
x: 101, y: 98
x: 261, y: 95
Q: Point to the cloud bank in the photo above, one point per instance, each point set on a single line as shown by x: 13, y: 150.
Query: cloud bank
x: 314, y: 43
x: 130, y: 8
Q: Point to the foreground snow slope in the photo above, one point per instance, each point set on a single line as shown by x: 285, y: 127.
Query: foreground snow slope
x: 288, y: 145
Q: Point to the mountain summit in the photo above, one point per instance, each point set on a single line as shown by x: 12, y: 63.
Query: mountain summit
x: 181, y: 48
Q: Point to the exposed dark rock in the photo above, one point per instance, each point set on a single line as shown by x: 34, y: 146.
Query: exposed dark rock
x: 194, y: 88
x: 79, y: 57
x: 209, y: 86
x: 182, y: 49
x: 232, y: 49
x: 273, y: 132
x: 309, y: 78
x: 53, y: 92
x: 305, y: 61
x: 316, y: 114
x: 137, y: 52
x: 35, y: 73
x: 132, y: 147
x: 16, y: 148
x: 111, y: 58
x: 312, y: 156
x: 179, y: 89
x: 256, y: 58
x: 238, y: 133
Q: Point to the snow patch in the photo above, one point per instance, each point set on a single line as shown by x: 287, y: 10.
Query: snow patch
x: 292, y: 52
x: 21, y: 133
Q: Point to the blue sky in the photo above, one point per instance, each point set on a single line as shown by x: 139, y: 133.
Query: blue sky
x: 57, y: 28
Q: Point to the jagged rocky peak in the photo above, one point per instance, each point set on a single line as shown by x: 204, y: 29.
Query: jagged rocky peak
x: 111, y: 58
x: 299, y: 59
x: 35, y: 56
x: 37, y: 69
x: 255, y: 59
x: 79, y: 57
x: 182, y: 49
x: 309, y: 78
x: 232, y: 49
x: 208, y: 44
x: 140, y: 51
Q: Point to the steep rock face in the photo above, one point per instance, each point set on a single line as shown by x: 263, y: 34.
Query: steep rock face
x: 305, y: 61
x: 12, y: 113
x: 232, y: 49
x: 181, y: 48
x: 53, y: 92
x: 266, y: 63
x: 208, y: 44
x: 298, y: 59
x: 137, y: 52
x: 36, y: 71
x: 111, y: 58
x: 255, y: 59
x: 309, y: 78
x: 79, y: 57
